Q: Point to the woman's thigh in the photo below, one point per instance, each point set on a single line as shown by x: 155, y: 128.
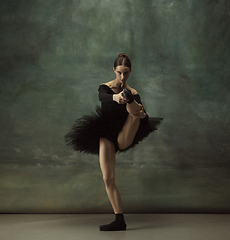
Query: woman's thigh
x: 107, y: 158
x: 128, y: 132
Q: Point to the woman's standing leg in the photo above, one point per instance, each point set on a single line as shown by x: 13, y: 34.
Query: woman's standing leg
x: 107, y: 164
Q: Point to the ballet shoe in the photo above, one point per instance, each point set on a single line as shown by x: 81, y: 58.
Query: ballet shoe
x: 117, y: 225
x: 127, y: 94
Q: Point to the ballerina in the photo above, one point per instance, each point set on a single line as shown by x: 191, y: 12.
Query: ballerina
x: 118, y: 125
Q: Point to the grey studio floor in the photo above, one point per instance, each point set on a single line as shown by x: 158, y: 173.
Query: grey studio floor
x: 140, y: 226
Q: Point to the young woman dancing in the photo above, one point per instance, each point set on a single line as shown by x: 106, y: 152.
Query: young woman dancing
x: 119, y: 124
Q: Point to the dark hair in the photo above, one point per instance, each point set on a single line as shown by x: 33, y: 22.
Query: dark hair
x: 122, y: 59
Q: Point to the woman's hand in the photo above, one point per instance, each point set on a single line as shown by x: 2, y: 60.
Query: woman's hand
x: 119, y: 98
x: 141, y: 114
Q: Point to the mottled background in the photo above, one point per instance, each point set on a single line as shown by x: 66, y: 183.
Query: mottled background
x: 54, y: 54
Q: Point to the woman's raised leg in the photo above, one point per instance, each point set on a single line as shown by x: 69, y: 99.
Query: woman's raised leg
x: 128, y: 132
x: 133, y: 108
x: 131, y: 125
x: 107, y: 164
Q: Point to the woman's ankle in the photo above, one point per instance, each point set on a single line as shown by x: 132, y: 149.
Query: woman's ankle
x: 133, y: 108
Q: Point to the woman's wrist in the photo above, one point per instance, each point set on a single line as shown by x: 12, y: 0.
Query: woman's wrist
x: 116, y: 98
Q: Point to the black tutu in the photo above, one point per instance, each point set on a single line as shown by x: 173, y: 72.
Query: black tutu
x: 87, y: 131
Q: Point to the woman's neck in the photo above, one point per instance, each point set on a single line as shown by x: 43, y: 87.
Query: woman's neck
x: 118, y: 85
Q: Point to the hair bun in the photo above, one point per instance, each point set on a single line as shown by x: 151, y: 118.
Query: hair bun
x: 122, y: 55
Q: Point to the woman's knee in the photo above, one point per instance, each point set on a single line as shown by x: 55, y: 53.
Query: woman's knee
x: 124, y: 144
x: 109, y: 181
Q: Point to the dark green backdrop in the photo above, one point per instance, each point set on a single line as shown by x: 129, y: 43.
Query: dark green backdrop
x: 54, y: 54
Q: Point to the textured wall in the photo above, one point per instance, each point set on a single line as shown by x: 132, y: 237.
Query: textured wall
x: 54, y: 54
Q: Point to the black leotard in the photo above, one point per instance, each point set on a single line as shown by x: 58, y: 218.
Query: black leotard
x: 107, y: 103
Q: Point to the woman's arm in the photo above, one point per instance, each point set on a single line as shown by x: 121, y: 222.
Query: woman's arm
x: 119, y: 98
x: 104, y: 96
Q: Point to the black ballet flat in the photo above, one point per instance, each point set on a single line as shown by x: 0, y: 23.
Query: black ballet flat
x: 127, y: 94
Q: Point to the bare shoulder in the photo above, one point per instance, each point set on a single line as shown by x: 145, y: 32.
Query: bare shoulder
x: 109, y: 84
x: 134, y: 91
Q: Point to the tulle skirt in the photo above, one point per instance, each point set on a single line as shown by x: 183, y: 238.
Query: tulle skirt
x: 86, y: 132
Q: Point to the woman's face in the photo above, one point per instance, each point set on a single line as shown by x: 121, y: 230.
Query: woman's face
x: 122, y: 73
